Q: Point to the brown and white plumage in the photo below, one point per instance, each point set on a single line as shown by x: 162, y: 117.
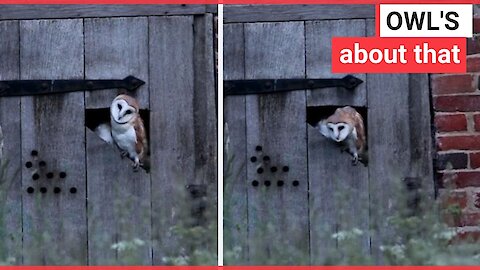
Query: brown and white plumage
x: 346, y: 126
x: 128, y: 131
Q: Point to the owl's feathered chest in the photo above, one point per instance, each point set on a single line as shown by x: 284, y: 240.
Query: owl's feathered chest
x: 124, y: 136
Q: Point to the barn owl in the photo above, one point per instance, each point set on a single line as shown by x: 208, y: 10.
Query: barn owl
x: 128, y: 131
x: 346, y: 127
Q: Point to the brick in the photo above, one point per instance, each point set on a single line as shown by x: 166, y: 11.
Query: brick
x: 476, y: 25
x: 452, y: 161
x: 467, y: 236
x: 455, y: 197
x: 453, y: 84
x: 473, y: 45
x: 475, y: 160
x: 473, y: 63
x: 460, y: 179
x: 463, y: 219
x: 463, y: 142
x: 454, y: 122
x: 476, y: 120
x: 457, y: 103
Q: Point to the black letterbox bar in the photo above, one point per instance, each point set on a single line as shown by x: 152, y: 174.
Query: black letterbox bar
x: 264, y: 86
x: 43, y: 87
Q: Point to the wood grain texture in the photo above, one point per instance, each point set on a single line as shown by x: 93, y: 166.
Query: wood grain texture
x: 9, y: 115
x: 204, y: 103
x: 118, y: 198
x: 338, y: 190
x: 114, y: 49
x: 319, y: 62
x: 279, y: 13
x: 235, y: 159
x: 8, y: 12
x: 389, y: 148
x: 172, y: 150
x: 52, y: 125
x: 277, y: 216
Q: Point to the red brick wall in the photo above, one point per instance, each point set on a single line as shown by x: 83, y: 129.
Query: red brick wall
x: 456, y: 103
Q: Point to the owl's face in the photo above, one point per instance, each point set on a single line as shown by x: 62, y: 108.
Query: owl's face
x: 339, y: 131
x: 122, y: 112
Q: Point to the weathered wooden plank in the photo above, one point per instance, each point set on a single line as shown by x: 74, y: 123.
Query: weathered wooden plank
x: 421, y: 165
x: 171, y: 71
x: 389, y: 148
x: 278, y: 13
x: 277, y: 215
x: 95, y: 11
x: 9, y: 114
x: 319, y: 62
x: 338, y: 190
x: 116, y: 47
x: 53, y: 126
x: 235, y: 159
x: 204, y: 103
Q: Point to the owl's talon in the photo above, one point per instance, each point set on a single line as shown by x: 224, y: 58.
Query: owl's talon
x: 355, y: 160
x: 136, y: 165
x: 123, y: 154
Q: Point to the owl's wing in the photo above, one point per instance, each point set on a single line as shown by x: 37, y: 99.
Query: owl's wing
x: 104, y: 131
x: 322, y: 127
x: 141, y: 144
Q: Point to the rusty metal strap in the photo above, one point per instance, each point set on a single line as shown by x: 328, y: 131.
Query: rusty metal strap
x: 44, y: 87
x: 265, y: 86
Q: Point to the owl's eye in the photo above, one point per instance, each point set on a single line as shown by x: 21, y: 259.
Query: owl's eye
x: 119, y: 106
x: 128, y: 112
x: 341, y: 127
x: 330, y: 128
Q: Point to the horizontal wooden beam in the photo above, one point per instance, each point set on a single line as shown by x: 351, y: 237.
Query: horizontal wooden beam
x: 25, y: 12
x: 276, y: 13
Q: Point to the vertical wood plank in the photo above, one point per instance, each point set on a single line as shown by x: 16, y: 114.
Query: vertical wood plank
x: 319, y: 62
x: 338, y: 190
x: 236, y: 182
x: 172, y: 150
x: 9, y: 115
x: 389, y: 147
x: 53, y: 125
x: 116, y: 47
x: 277, y: 216
x: 204, y: 102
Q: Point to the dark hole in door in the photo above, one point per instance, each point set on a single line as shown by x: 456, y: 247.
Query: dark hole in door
x: 317, y: 113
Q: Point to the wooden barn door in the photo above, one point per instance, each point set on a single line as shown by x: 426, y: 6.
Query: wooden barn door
x: 296, y: 224
x: 75, y: 201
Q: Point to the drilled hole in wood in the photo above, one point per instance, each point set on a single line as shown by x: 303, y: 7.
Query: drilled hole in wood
x: 280, y: 183
x: 57, y: 190
x: 73, y: 190
x: 253, y: 159
x: 285, y: 168
x: 266, y: 158
x: 296, y: 183
x: 43, y: 190
x: 63, y: 174
x: 258, y: 148
x: 28, y: 164
x: 260, y: 170
x: 255, y: 183
x: 273, y: 169
x: 35, y: 176
x: 50, y: 175
x: 267, y: 183
x: 42, y: 163
x: 34, y: 153
x: 30, y: 190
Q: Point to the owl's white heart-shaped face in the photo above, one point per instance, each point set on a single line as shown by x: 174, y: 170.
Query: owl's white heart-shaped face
x: 122, y: 112
x: 339, y: 131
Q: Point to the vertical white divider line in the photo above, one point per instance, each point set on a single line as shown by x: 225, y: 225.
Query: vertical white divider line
x: 220, y: 134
